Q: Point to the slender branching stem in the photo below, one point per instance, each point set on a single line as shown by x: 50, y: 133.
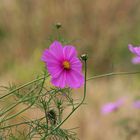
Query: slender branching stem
x: 14, y: 115
x: 21, y: 123
x: 24, y: 99
x: 22, y: 86
x: 112, y: 74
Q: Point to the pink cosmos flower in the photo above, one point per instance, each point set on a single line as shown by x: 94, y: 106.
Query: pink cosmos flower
x: 63, y: 65
x: 136, y: 51
x: 112, y: 106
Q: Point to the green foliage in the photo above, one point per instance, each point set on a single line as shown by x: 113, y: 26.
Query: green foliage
x: 37, y: 94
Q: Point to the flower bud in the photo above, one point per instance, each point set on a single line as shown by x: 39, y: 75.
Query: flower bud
x: 84, y: 57
x: 58, y: 25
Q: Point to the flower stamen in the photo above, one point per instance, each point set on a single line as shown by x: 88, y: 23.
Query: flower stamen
x: 66, y: 65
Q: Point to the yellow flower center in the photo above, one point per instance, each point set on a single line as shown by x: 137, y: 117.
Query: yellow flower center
x: 66, y: 65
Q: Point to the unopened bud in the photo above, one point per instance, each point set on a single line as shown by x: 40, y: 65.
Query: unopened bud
x: 84, y: 57
x: 58, y: 25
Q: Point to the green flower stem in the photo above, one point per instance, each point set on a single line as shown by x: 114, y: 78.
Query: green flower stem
x: 112, y: 74
x: 20, y: 87
x: 22, y: 123
x: 20, y: 101
x: 14, y: 115
x: 24, y: 100
x: 11, y: 107
x: 75, y: 107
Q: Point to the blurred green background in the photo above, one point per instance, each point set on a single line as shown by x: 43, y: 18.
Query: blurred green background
x: 101, y: 28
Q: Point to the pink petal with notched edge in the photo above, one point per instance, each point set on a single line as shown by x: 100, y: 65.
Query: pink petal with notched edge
x: 60, y: 81
x: 47, y: 54
x: 69, y: 52
x: 56, y: 49
x: 76, y: 64
x: 75, y: 79
x: 55, y: 72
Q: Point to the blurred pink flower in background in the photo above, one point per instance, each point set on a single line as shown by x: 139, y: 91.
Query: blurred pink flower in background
x: 135, y: 50
x: 136, y: 104
x: 63, y: 65
x: 111, y: 106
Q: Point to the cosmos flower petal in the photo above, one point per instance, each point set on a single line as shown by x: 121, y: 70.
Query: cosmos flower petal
x: 136, y: 60
x: 69, y: 52
x: 56, y: 49
x: 134, y: 50
x: 75, y: 79
x: 49, y: 57
x: 55, y: 71
x: 76, y: 63
x: 131, y: 48
x: 60, y: 81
